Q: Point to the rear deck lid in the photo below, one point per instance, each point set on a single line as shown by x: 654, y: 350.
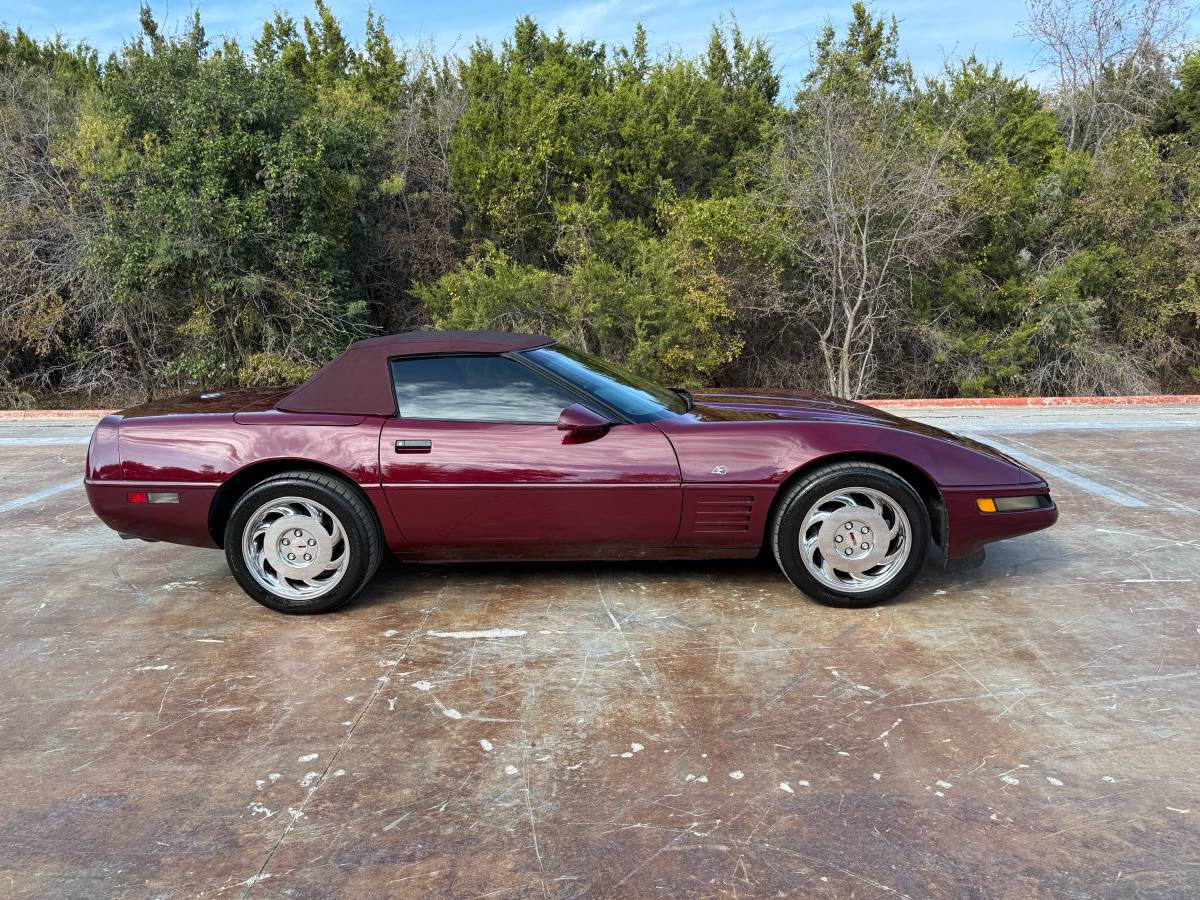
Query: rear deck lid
x: 220, y: 402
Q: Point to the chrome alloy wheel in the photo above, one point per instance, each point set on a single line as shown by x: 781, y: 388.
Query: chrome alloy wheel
x: 855, y: 540
x: 295, y: 548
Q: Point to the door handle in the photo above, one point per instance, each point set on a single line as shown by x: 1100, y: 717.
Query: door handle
x: 414, y: 446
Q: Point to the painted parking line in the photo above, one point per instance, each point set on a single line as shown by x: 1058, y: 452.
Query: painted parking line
x: 1054, y: 471
x: 1060, y: 425
x: 18, y: 502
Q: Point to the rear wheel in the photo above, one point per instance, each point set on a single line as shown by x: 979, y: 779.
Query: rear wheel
x: 851, y: 534
x: 302, y: 542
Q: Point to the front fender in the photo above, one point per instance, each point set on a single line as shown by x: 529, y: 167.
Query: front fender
x: 768, y: 452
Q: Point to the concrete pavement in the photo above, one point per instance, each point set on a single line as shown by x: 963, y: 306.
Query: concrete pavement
x: 1025, y: 729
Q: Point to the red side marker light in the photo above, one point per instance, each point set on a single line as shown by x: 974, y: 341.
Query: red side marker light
x: 151, y: 497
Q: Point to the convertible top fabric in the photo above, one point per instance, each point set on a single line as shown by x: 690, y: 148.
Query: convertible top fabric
x: 359, y: 382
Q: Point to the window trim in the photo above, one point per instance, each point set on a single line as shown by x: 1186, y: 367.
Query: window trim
x: 572, y: 389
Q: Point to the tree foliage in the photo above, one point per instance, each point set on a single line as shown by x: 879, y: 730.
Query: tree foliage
x: 187, y: 212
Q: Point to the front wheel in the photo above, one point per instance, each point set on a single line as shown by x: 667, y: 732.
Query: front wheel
x: 302, y: 542
x: 851, y: 534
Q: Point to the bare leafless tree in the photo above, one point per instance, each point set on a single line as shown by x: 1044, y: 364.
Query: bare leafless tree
x: 56, y: 321
x: 421, y: 218
x: 1107, y: 60
x: 869, y: 207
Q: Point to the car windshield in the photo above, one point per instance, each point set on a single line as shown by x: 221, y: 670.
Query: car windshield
x: 638, y: 399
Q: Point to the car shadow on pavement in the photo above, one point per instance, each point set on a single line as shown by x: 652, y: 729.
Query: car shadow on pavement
x: 397, y: 581
x: 1031, y: 557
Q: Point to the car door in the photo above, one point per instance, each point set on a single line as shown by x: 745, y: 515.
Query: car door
x: 475, y: 466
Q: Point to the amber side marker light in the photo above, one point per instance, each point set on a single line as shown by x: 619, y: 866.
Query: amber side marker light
x: 1012, y: 504
x: 151, y: 497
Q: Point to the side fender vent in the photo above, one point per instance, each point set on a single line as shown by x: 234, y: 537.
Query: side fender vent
x: 722, y: 513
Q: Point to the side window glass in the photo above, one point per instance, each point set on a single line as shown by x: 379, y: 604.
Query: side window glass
x: 476, y: 389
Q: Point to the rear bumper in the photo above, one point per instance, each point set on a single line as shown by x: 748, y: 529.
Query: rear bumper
x: 185, y: 522
x: 970, y: 529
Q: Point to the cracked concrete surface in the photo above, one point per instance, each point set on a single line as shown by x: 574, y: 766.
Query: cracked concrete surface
x: 1026, y: 729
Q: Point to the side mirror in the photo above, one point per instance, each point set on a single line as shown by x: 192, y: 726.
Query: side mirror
x: 581, y: 424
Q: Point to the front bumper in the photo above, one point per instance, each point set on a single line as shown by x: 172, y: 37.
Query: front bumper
x: 970, y: 528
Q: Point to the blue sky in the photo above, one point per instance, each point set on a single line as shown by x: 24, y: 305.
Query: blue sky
x: 929, y: 31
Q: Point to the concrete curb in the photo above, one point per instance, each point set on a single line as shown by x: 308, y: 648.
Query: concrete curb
x: 92, y: 415
x: 67, y: 415
x: 1037, y: 402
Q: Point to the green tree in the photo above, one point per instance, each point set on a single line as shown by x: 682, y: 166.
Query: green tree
x: 1180, y: 110
x: 231, y: 193
x: 657, y: 304
x: 973, y: 307
x: 866, y: 61
x: 187, y: 212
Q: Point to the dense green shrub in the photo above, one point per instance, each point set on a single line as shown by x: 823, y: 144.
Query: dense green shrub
x: 185, y: 213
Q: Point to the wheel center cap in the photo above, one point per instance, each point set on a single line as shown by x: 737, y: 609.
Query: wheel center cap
x: 299, y: 544
x: 853, y: 539
x: 857, y: 537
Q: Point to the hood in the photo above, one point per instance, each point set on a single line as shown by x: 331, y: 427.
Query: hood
x: 763, y: 405
x: 217, y: 401
x: 760, y: 404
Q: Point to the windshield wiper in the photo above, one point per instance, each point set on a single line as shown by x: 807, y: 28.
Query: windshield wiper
x: 688, y: 403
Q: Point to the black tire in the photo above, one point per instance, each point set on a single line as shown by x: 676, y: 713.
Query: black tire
x: 799, y: 499
x: 363, y: 542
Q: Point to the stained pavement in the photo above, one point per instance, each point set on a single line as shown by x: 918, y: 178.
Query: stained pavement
x: 1026, y: 729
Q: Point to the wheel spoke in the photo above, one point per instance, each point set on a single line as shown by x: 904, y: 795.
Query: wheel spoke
x: 296, y: 548
x: 855, y: 539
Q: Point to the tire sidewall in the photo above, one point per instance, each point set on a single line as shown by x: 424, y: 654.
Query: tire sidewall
x: 786, y: 534
x: 357, y: 571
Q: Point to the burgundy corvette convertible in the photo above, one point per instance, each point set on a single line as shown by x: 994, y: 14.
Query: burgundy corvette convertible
x: 485, y: 445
